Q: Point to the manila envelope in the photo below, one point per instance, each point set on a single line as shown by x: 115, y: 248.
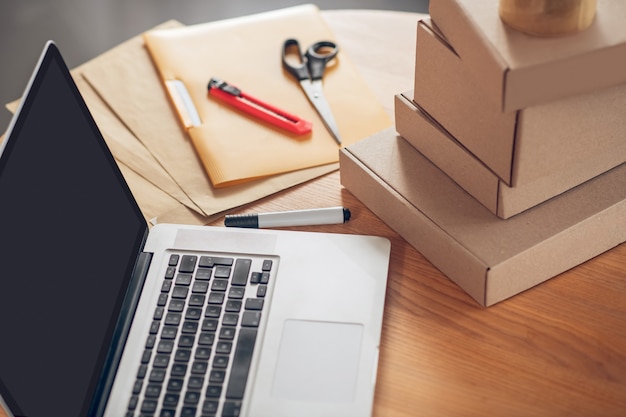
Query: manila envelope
x: 246, y: 52
x: 125, y: 78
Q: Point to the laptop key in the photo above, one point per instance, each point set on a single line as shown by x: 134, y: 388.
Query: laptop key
x: 182, y: 355
x: 132, y: 404
x: 192, y: 397
x: 143, y: 370
x: 241, y: 363
x: 221, y: 272
x: 188, y: 412
x: 170, y: 272
x: 173, y: 319
x: 169, y: 332
x: 183, y: 279
x: 179, y: 369
x: 251, y: 318
x: 190, y: 326
x: 158, y: 313
x: 154, y: 327
x: 186, y: 340
x: 176, y: 305
x: 175, y: 385
x: 153, y: 390
x: 231, y: 409
x: 236, y: 293
x: 230, y: 319
x: 216, y: 298
x: 148, y: 406
x: 200, y: 287
x: 137, y: 386
x: 197, y: 299
x: 157, y: 375
x: 211, y: 261
x: 173, y: 259
x: 193, y: 313
x: 213, y: 311
x: 214, y: 391
x: 195, y: 382
x: 162, y: 299
x: 216, y: 376
x: 219, y: 285
x: 241, y: 272
x: 206, y: 339
x: 188, y: 263
x: 209, y: 407
x: 165, y: 346
x: 180, y: 291
x: 254, y: 304
x: 204, y: 274
x: 167, y: 284
x: 170, y: 400
x: 267, y: 265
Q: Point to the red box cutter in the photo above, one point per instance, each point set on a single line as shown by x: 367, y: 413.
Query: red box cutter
x: 237, y: 98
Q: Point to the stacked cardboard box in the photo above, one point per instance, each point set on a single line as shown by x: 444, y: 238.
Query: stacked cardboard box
x: 510, y: 163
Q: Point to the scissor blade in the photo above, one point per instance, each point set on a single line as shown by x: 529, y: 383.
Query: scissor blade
x: 314, y: 92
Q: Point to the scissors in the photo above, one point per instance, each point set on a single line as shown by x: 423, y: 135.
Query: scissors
x: 309, y: 72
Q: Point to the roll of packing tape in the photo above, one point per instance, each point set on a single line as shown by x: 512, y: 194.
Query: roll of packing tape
x: 548, y: 17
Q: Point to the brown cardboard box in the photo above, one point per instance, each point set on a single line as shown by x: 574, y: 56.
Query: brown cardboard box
x: 490, y: 258
x: 518, y: 70
x: 543, y: 168
x: 542, y: 150
x: 570, y: 140
x: 447, y: 91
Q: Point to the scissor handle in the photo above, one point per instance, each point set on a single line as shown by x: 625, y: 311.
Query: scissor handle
x: 301, y: 72
x: 318, y: 55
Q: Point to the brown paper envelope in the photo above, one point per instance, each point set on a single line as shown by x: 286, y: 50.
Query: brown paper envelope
x: 246, y: 52
x: 128, y: 82
x: 156, y: 205
x: 127, y: 149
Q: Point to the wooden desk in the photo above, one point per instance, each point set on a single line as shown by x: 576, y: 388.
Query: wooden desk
x: 556, y: 350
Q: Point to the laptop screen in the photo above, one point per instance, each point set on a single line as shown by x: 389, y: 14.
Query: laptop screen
x: 70, y: 231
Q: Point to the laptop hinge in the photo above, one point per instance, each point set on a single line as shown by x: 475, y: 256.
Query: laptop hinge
x: 120, y: 334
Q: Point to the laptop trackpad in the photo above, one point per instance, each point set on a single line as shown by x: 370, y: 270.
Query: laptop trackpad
x: 318, y: 361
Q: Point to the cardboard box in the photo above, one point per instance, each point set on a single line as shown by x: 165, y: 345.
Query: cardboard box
x: 490, y: 258
x: 571, y: 140
x: 544, y: 167
x: 518, y: 70
x: 447, y: 91
x: 535, y: 153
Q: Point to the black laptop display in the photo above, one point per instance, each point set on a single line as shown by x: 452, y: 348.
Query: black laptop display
x: 70, y: 232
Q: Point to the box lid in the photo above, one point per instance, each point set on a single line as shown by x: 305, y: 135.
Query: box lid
x: 520, y: 70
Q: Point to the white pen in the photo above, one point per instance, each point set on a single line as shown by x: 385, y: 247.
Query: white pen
x: 311, y: 217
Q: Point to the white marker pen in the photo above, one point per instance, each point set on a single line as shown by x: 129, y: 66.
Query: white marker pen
x: 312, y: 217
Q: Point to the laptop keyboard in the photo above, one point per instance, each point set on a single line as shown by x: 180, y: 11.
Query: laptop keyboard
x: 197, y: 356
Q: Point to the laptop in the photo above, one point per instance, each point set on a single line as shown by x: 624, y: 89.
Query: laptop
x: 100, y: 316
